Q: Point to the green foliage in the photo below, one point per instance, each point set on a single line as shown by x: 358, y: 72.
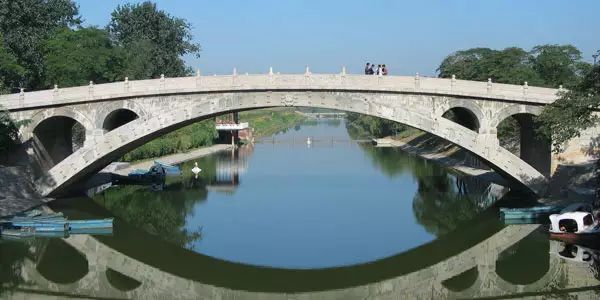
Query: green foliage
x: 26, y: 25
x: 162, y: 214
x: 573, y: 112
x: 373, y: 126
x: 558, y: 64
x: 10, y: 70
x: 545, y: 65
x: 9, y: 132
x: 190, y: 137
x: 75, y: 57
x: 270, y: 121
x: 155, y: 37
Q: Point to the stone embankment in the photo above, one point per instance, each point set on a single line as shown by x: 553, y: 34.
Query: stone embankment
x: 444, y: 153
x: 16, y: 191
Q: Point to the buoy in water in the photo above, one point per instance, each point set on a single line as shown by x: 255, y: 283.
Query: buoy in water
x: 195, y: 169
x: 308, y: 141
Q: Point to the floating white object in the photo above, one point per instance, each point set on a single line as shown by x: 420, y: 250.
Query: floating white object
x: 308, y: 141
x: 195, y: 169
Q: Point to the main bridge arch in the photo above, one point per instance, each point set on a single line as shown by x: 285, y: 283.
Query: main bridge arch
x: 166, y: 113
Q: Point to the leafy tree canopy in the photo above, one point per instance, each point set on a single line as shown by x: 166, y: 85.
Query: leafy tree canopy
x: 26, y: 24
x: 74, y: 57
x: 155, y: 37
x: 574, y: 111
x: 544, y: 65
x: 10, y: 70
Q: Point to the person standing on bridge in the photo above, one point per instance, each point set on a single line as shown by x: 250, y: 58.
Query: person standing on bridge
x: 370, y: 71
x: 379, y: 70
x: 384, y: 70
x: 367, y: 69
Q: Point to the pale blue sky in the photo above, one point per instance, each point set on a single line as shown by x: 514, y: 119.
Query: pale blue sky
x: 408, y: 36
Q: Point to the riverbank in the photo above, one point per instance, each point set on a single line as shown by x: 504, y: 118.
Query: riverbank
x: 570, y: 181
x: 168, y: 159
x: 444, y: 153
x: 267, y: 122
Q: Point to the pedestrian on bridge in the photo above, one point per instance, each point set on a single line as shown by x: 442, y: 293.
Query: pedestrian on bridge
x: 368, y: 68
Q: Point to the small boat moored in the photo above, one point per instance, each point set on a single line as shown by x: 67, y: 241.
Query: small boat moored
x: 575, y: 227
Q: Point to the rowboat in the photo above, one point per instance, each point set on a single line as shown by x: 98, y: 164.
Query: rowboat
x: 17, y: 233
x: 529, y: 213
x: 92, y: 231
x: 91, y: 224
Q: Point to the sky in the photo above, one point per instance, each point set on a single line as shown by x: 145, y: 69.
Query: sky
x: 408, y: 36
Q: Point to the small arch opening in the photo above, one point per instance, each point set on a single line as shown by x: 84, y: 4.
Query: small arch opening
x: 55, y: 138
x: 533, y: 252
x: 61, y: 263
x: 118, y: 118
x: 462, y: 281
x: 518, y: 134
x: 463, y: 117
x: 120, y: 281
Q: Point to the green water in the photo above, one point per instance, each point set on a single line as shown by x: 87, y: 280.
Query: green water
x: 335, y: 219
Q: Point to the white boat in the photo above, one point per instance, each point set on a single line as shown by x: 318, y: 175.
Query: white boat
x: 574, y: 253
x: 575, y: 227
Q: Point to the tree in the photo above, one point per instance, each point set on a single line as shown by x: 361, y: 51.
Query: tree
x: 558, y: 64
x: 25, y: 25
x: 9, y: 132
x: 74, y: 57
x: 574, y: 111
x: 160, y: 38
x: 10, y: 70
x: 511, y: 65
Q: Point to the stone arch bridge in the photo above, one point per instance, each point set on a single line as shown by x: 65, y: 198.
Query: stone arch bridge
x: 118, y: 117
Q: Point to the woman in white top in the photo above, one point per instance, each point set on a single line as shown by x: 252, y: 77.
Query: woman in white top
x: 379, y: 70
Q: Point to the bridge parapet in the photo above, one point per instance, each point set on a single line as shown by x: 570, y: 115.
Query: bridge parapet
x: 232, y: 83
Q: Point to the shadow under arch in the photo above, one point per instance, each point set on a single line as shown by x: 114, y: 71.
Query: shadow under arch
x: 120, y: 281
x: 58, y: 255
x: 118, y: 118
x: 178, y: 261
x: 464, y: 117
x: 56, y: 138
x: 532, y: 252
x: 462, y: 281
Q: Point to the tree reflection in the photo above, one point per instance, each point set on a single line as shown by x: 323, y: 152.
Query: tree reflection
x: 162, y: 213
x: 12, y: 255
x: 443, y: 200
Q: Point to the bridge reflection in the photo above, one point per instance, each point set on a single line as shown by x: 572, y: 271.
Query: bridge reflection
x: 486, y: 260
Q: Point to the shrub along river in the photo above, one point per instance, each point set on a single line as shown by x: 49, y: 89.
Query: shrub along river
x: 335, y: 218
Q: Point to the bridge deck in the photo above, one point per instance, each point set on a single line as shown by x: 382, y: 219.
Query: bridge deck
x: 232, y: 83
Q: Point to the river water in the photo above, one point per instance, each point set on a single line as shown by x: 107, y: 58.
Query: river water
x: 336, y: 219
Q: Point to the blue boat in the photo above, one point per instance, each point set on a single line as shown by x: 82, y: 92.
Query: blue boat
x: 36, y: 224
x: 92, y: 231
x: 529, y: 213
x: 16, y: 233
x: 91, y: 224
x: 57, y: 228
x: 170, y: 170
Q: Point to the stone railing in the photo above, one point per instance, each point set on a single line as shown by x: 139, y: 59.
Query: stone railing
x: 271, y: 81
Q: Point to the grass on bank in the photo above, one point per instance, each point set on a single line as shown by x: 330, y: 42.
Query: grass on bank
x: 265, y: 122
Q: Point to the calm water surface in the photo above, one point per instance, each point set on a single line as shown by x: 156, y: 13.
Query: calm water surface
x: 333, y: 219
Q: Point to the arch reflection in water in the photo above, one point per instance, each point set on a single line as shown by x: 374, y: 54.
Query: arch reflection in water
x: 469, y: 273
